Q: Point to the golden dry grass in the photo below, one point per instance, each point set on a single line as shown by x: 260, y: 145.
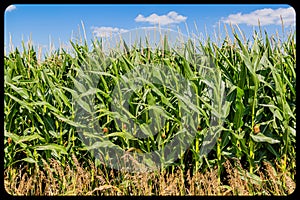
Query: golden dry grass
x: 54, y: 179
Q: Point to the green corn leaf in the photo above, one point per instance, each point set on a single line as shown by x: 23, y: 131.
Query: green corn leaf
x: 29, y: 160
x: 66, y: 120
x: 21, y: 139
x: 239, y: 108
x: 103, y: 144
x: 21, y: 91
x: 51, y: 147
x: 124, y: 135
x: 22, y: 103
x: 262, y: 138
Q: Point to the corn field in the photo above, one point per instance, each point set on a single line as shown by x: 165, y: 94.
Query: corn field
x: 257, y: 117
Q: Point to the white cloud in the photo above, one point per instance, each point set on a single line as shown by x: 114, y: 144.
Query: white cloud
x: 171, y: 18
x: 266, y: 16
x: 105, y: 31
x: 10, y: 8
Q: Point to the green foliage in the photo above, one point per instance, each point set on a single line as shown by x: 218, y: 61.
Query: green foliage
x: 259, y: 84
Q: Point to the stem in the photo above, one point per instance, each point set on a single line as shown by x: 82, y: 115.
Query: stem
x: 251, y: 143
x: 219, y: 159
x: 197, y: 134
x: 286, y: 137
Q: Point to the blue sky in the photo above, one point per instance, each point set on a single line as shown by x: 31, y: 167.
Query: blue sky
x: 58, y: 22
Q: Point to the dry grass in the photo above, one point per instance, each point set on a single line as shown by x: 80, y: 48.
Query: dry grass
x: 54, y: 179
